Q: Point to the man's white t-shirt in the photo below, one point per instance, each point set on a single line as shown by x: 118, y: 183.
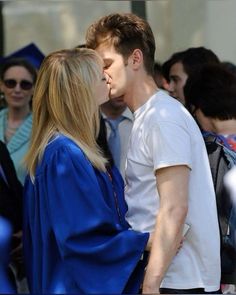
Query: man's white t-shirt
x: 165, y: 134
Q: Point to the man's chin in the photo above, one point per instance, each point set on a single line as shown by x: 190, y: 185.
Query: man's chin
x: 117, y: 98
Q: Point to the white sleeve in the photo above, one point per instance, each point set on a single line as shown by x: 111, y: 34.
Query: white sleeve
x: 169, y: 145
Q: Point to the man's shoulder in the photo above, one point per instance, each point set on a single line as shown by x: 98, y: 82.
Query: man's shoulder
x: 164, y: 107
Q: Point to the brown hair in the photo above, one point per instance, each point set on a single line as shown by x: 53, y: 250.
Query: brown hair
x: 126, y: 32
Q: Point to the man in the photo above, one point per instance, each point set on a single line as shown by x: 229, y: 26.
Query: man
x: 210, y: 95
x: 168, y: 176
x: 119, y: 122
x: 159, y: 77
x: 181, y: 64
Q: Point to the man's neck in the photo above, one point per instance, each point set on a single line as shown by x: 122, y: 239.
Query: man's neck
x: 225, y: 127
x: 140, y: 93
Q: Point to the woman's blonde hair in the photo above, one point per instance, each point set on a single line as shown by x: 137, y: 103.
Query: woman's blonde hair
x: 64, y: 101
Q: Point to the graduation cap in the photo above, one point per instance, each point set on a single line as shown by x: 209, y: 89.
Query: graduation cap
x: 30, y: 52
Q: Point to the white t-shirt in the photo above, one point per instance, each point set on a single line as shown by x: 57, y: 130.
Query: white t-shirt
x: 164, y: 134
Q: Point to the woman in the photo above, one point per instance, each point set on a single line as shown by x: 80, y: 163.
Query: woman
x: 17, y: 79
x: 76, y: 238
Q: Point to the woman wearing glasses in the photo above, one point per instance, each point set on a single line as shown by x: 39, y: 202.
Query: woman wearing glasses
x: 17, y: 79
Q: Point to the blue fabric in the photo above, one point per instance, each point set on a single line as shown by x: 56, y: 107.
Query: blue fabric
x: 30, y: 52
x: 5, y: 241
x: 75, y: 235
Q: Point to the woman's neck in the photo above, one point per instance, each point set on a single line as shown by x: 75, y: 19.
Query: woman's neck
x: 17, y: 114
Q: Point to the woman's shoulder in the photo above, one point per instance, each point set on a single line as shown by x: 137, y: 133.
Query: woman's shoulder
x: 61, y: 142
x: 61, y: 151
x: 61, y: 147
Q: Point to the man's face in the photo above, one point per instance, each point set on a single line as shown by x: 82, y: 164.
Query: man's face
x: 115, y: 68
x: 178, y: 78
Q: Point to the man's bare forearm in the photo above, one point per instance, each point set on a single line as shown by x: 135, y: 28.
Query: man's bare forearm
x: 172, y: 185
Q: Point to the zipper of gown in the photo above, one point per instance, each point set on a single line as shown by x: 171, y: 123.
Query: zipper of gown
x: 115, y: 197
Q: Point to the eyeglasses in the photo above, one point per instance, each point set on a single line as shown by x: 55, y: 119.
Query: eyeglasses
x: 24, y: 84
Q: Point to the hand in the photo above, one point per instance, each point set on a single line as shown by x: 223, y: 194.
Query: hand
x: 151, y: 284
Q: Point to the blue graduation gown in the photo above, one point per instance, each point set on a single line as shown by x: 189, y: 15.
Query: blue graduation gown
x: 76, y: 239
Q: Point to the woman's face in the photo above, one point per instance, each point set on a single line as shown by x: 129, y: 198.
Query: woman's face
x: 17, y: 86
x: 102, y: 89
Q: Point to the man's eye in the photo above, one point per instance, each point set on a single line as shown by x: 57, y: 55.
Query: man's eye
x: 106, y: 67
x: 174, y: 79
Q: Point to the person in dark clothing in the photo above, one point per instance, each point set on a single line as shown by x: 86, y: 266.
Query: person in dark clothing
x: 10, y: 190
x: 182, y: 64
x: 210, y: 96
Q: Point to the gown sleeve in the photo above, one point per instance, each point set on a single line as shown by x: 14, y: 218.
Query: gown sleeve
x: 98, y: 252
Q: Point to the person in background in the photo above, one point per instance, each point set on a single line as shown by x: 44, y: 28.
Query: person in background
x: 181, y: 64
x: 210, y: 96
x: 119, y: 121
x: 11, y: 192
x: 76, y: 238
x: 17, y: 78
x: 168, y: 178
x: 229, y: 66
x: 159, y: 77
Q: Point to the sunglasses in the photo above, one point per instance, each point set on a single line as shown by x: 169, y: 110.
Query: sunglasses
x: 24, y: 84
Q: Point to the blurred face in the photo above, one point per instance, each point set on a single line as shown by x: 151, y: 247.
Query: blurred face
x: 178, y: 78
x: 116, y: 70
x: 203, y: 121
x: 17, y: 86
x: 102, y: 89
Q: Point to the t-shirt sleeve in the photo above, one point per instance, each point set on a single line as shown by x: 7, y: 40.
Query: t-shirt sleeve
x: 98, y: 252
x: 169, y: 145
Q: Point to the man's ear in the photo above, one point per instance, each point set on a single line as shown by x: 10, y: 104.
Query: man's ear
x: 136, y: 58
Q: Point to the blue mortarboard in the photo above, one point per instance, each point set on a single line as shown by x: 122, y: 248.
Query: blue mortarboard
x: 30, y: 52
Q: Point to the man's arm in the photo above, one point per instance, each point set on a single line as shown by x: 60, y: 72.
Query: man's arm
x: 172, y: 185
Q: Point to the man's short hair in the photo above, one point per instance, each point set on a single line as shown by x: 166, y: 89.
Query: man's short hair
x: 192, y: 58
x: 212, y: 89
x: 126, y: 32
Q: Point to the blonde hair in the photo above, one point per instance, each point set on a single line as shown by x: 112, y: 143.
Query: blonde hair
x: 64, y: 101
